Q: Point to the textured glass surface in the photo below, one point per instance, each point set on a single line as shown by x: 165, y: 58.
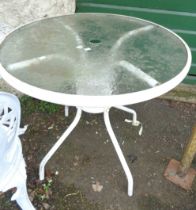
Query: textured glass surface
x: 93, y: 54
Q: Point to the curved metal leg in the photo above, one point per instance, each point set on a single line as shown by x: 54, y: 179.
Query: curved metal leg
x: 18, y: 180
x: 23, y: 199
x: 119, y: 152
x: 58, y: 143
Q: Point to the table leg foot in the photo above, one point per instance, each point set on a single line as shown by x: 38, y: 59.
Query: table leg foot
x: 58, y: 143
x: 66, y: 111
x: 134, y: 120
x: 119, y: 152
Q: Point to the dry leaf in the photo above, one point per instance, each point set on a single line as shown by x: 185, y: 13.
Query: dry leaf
x: 97, y: 187
x: 46, y: 205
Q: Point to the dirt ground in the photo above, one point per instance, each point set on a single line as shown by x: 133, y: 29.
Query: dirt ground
x: 85, y: 173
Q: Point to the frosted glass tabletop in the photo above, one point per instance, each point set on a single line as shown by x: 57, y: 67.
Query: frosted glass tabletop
x: 105, y: 56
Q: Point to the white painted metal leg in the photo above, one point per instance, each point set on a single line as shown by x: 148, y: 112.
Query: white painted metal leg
x: 58, y: 143
x: 66, y: 111
x: 23, y: 198
x: 119, y: 152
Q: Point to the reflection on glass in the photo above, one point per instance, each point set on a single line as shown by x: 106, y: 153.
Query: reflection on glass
x: 93, y: 54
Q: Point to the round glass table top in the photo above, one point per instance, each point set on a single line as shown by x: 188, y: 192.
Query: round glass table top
x: 104, y: 57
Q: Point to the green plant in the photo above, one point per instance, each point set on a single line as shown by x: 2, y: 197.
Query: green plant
x: 44, y: 191
x: 30, y: 105
x: 47, y: 185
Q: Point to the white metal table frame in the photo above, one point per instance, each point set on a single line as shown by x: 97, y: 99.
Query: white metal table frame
x: 119, y: 152
x: 98, y: 104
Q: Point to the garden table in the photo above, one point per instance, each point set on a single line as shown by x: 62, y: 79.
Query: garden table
x: 94, y: 61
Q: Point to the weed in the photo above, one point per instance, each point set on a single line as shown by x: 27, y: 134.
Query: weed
x: 44, y: 191
x: 47, y: 185
x: 30, y: 105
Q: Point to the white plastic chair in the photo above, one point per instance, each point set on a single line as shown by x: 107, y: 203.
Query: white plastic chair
x: 12, y: 164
